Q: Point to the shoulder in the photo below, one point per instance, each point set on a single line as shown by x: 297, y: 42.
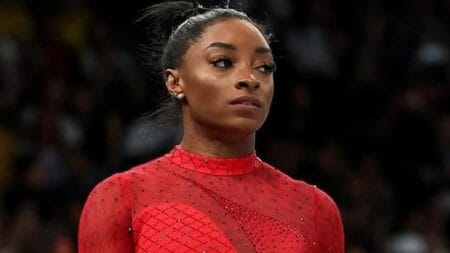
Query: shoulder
x: 319, y: 205
x: 321, y: 198
x: 107, y: 191
x: 325, y: 203
x: 283, y: 178
x: 153, y: 167
x: 120, y: 180
x: 112, y: 182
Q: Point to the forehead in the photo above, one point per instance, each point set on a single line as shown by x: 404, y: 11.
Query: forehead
x: 234, y: 31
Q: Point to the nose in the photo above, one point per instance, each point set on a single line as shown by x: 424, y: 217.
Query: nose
x: 248, y: 81
x: 248, y: 84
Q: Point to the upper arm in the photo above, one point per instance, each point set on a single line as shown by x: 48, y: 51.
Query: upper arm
x: 105, y: 223
x: 329, y: 227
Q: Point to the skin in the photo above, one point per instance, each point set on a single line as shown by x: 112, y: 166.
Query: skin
x: 231, y: 59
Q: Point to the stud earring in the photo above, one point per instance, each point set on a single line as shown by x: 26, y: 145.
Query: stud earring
x: 179, y: 96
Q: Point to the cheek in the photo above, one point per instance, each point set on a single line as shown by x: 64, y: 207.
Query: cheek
x: 204, y: 92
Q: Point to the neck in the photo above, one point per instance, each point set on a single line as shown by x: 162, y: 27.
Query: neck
x: 205, y: 142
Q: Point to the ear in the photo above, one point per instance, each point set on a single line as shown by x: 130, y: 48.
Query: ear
x: 172, y: 78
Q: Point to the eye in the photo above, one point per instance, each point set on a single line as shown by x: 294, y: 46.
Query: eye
x: 221, y: 62
x: 267, y: 68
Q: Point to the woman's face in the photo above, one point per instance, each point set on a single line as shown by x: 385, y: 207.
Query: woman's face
x: 227, y: 78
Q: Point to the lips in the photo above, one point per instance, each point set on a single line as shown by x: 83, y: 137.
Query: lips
x: 247, y: 100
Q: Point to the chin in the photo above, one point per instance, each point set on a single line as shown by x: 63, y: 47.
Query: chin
x: 245, y: 126
x: 232, y: 126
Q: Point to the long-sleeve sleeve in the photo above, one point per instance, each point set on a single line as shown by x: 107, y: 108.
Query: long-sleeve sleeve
x: 105, y: 223
x: 329, y: 228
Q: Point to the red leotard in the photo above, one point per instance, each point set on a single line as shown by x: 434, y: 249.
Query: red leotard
x: 183, y: 202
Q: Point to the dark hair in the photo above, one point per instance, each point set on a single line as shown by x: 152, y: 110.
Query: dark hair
x: 172, y: 27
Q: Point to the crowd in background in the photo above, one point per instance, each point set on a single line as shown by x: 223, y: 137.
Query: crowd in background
x: 361, y: 109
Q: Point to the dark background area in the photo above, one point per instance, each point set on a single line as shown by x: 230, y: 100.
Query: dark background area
x: 361, y: 109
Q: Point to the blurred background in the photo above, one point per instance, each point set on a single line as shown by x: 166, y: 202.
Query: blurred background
x: 361, y: 109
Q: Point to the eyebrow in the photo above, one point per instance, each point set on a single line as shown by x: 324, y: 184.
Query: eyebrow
x: 228, y: 46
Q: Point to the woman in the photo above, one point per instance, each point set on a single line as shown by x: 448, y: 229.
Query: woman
x: 211, y: 193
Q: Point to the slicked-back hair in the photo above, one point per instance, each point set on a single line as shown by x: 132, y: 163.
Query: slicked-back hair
x: 172, y: 27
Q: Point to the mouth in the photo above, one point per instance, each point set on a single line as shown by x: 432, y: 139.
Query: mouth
x: 247, y: 101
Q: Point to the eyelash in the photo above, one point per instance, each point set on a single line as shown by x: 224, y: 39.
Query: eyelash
x: 227, y: 62
x: 267, y: 68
